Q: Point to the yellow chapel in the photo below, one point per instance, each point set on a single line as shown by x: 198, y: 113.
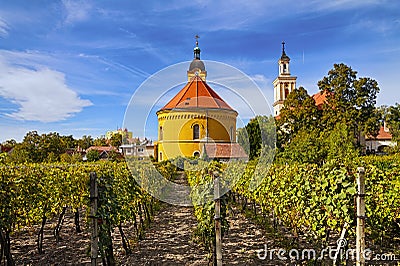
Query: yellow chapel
x: 197, y: 121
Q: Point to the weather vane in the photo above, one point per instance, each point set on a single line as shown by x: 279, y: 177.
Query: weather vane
x: 197, y: 39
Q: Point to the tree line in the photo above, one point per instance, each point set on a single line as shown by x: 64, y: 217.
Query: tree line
x: 308, y: 133
x: 53, y: 147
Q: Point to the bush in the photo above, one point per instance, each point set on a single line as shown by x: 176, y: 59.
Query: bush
x: 93, y: 155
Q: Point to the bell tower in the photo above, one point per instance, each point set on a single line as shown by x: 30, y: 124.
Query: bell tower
x: 197, y: 67
x: 284, y: 83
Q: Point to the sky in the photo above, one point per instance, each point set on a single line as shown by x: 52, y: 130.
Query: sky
x: 73, y: 66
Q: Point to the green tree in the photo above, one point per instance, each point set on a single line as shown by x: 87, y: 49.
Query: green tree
x: 392, y: 118
x: 305, y: 147
x: 339, y: 144
x: 85, y: 142
x: 114, y: 156
x: 100, y: 141
x: 20, y: 154
x: 351, y: 100
x: 299, y: 113
x: 116, y: 140
x: 93, y: 155
x: 68, y: 142
x: 65, y: 158
x: 250, y: 138
x: 30, y: 148
x: 52, y: 146
x: 258, y: 137
x: 76, y: 157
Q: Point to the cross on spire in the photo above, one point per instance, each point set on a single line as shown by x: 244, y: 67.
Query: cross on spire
x: 197, y: 39
x: 283, y: 47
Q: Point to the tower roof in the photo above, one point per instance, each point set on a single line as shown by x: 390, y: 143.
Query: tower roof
x: 197, y: 94
x: 197, y: 63
x: 284, y: 57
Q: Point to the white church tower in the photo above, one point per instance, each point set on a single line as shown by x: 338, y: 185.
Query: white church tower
x: 284, y: 83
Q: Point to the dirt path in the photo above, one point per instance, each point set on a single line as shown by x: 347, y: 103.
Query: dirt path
x: 168, y: 240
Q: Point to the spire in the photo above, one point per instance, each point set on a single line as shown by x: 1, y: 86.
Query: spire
x: 284, y: 56
x: 196, y: 50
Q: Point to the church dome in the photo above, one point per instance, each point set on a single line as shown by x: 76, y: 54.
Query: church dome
x: 197, y: 64
x: 197, y: 94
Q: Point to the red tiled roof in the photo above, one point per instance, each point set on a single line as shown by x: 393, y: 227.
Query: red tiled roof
x: 102, y: 148
x: 320, y: 98
x: 382, y: 135
x: 224, y: 150
x: 196, y: 94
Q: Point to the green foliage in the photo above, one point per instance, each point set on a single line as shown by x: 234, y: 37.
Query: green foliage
x: 305, y: 147
x: 250, y: 138
x: 312, y: 200
x: 93, y: 155
x: 167, y: 169
x: 101, y: 141
x: 20, y: 154
x: 392, y: 117
x: 116, y: 140
x: 298, y: 113
x: 30, y: 192
x: 85, y: 142
x: 65, y: 158
x: 3, y: 158
x: 76, y: 157
x: 37, y: 148
x: 383, y: 202
x: 340, y: 144
x: 114, y: 156
x: 258, y: 135
x: 202, y: 194
x: 351, y: 100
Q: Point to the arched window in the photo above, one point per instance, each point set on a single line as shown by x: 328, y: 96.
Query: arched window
x: 286, y: 90
x: 160, y: 159
x: 196, y: 131
x: 161, y: 133
x: 196, y: 154
x: 232, y: 134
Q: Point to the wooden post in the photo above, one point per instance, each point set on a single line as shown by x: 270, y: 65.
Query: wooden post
x: 93, y: 212
x: 360, y: 240
x: 217, y: 218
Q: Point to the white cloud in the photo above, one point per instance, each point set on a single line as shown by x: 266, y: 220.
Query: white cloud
x: 76, y: 11
x: 3, y: 28
x: 41, y: 94
x: 261, y: 80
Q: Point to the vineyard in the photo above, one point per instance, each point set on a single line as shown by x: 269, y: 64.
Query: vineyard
x: 310, y: 203
x: 34, y: 193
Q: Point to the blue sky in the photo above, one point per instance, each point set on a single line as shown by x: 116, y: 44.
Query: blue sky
x: 72, y: 66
